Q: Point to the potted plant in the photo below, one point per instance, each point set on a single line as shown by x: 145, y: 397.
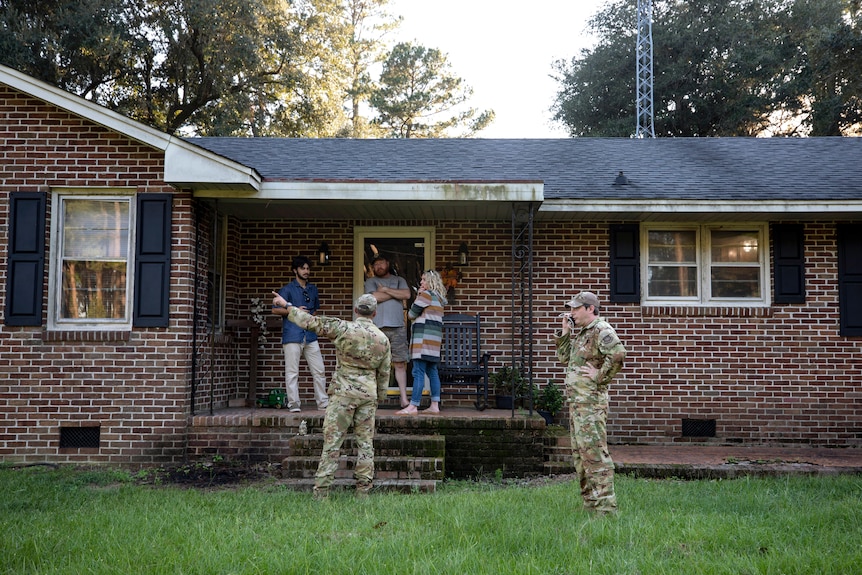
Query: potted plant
x: 550, y: 401
x: 508, y: 386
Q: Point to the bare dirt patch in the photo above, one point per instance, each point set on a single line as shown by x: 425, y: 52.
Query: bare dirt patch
x: 210, y: 475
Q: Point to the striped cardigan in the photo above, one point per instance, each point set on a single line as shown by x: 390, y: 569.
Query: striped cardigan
x: 426, y: 313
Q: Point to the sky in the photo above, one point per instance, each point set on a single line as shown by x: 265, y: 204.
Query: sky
x: 504, y: 50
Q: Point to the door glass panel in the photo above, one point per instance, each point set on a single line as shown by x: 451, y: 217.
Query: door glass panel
x: 406, y: 258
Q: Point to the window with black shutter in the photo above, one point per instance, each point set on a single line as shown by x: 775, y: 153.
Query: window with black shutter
x: 850, y: 279
x: 625, y: 263
x: 788, y: 255
x: 26, y: 263
x: 153, y: 260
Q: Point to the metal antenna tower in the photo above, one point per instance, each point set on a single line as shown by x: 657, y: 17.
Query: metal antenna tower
x: 645, y: 127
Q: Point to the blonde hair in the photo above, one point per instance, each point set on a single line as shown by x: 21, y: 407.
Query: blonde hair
x: 435, y: 284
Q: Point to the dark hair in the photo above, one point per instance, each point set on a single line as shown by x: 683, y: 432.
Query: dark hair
x: 299, y: 261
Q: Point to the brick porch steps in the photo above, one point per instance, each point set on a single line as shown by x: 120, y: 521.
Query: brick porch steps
x: 558, y: 455
x: 405, y: 463
x: 470, y: 443
x: 298, y: 467
x: 380, y: 485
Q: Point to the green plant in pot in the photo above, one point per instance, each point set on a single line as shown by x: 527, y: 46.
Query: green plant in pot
x: 508, y: 384
x: 550, y: 401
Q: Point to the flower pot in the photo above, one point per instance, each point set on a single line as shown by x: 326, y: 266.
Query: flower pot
x: 549, y: 417
x: 504, y: 401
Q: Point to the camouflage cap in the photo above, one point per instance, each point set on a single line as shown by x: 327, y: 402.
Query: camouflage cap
x: 583, y: 298
x: 366, y: 304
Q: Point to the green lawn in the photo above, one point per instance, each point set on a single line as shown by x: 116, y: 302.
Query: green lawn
x: 74, y: 521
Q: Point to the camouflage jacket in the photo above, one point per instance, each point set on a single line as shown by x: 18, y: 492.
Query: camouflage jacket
x: 361, y: 354
x: 598, y: 345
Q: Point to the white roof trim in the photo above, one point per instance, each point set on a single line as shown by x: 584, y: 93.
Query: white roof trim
x: 700, y: 206
x: 184, y: 162
x: 187, y: 165
x: 388, y: 191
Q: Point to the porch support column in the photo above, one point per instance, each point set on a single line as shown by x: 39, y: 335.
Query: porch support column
x: 522, y: 297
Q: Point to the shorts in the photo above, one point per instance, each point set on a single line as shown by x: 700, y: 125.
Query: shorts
x: 398, y: 343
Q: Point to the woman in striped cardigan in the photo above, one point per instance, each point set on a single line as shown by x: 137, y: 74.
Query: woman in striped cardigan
x: 426, y: 313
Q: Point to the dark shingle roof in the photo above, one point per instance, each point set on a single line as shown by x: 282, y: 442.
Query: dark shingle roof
x: 662, y: 168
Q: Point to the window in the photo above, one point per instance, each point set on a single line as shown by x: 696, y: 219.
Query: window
x: 709, y: 264
x: 90, y: 266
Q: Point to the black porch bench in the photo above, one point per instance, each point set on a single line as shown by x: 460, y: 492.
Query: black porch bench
x: 461, y: 359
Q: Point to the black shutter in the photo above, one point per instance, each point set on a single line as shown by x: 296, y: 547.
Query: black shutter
x: 788, y: 255
x: 850, y: 279
x: 26, y: 263
x: 625, y: 263
x: 153, y: 260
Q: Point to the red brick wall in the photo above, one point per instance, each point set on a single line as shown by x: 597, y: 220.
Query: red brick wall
x: 781, y: 374
x: 778, y: 375
x: 133, y: 386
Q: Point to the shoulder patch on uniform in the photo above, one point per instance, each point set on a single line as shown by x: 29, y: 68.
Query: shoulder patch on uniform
x: 608, y: 339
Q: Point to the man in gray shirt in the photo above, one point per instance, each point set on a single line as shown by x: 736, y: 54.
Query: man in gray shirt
x: 391, y: 292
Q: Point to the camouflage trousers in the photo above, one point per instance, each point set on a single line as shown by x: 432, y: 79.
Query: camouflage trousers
x: 341, y: 413
x: 593, y: 463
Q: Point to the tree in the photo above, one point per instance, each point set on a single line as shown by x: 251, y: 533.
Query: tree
x: 81, y: 47
x: 826, y: 96
x: 210, y: 67
x: 720, y: 69
x: 368, y: 24
x: 296, y: 68
x: 203, y: 55
x: 418, y: 97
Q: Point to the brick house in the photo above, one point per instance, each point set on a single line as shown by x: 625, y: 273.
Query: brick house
x: 130, y: 259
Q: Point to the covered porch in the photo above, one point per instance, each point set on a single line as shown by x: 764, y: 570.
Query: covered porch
x: 246, y: 242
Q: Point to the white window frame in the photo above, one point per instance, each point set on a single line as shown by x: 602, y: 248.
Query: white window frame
x: 704, y: 265
x: 55, y: 322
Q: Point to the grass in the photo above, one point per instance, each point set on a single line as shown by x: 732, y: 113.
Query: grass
x: 72, y: 521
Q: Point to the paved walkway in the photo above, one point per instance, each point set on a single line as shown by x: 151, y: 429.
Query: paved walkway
x: 699, y: 461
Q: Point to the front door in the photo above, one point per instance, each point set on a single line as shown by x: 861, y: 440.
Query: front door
x: 409, y: 251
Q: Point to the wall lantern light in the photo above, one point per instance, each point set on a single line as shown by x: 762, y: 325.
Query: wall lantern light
x: 323, y: 254
x: 463, y: 255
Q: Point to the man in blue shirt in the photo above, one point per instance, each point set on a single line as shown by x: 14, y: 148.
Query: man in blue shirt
x: 297, y: 341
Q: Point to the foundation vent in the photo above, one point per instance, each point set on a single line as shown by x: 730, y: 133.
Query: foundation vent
x: 79, y: 437
x: 698, y: 428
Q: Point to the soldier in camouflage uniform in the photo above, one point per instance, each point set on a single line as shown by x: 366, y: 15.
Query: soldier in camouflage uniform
x: 593, y: 354
x: 360, y: 380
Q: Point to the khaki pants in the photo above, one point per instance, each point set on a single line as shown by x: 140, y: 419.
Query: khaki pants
x: 311, y: 352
